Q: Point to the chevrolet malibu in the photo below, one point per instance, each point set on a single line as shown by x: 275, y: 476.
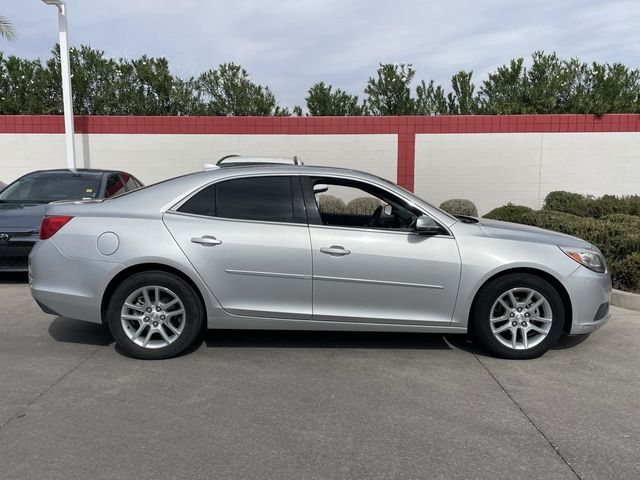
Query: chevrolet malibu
x: 258, y: 243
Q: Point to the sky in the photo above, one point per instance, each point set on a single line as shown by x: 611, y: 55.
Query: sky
x: 291, y: 44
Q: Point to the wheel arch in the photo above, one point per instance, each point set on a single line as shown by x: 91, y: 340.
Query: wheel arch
x: 562, y: 291
x: 146, y: 267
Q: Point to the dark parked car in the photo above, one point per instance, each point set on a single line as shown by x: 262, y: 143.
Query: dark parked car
x: 23, y: 205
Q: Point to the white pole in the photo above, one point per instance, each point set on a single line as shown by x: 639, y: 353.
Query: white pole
x: 66, y: 86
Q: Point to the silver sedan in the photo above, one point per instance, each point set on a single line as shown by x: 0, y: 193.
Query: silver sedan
x: 263, y: 244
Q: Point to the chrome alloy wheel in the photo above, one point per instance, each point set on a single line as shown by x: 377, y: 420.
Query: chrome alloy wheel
x: 521, y: 318
x: 153, y: 317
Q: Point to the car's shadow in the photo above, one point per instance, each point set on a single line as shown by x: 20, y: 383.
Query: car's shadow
x: 321, y: 339
x: 67, y: 330
x: 76, y: 331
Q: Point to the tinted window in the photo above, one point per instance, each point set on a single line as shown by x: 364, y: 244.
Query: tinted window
x: 267, y: 198
x: 258, y: 198
x: 202, y: 203
x: 51, y: 186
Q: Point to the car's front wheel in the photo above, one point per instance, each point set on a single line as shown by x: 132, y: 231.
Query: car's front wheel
x: 518, y: 316
x: 154, y: 315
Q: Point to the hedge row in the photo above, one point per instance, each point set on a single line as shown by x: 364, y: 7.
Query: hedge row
x: 617, y: 235
x: 595, y: 207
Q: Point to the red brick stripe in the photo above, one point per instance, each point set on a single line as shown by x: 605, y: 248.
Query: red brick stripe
x: 325, y: 125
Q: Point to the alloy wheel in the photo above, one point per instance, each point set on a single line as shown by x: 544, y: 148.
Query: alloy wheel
x: 521, y: 318
x: 153, y: 317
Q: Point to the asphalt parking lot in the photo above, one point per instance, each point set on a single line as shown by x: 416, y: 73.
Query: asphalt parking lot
x: 284, y: 405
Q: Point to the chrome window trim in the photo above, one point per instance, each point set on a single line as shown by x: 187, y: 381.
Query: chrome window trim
x: 237, y: 220
x: 379, y: 230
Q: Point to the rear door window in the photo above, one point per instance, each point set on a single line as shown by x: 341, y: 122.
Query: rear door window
x: 270, y: 199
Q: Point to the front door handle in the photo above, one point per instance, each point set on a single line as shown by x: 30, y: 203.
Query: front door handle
x: 335, y: 250
x: 206, y: 240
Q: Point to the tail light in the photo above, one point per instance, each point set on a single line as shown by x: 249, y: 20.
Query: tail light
x: 51, y: 224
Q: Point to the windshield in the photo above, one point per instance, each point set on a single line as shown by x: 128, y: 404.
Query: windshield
x: 45, y: 187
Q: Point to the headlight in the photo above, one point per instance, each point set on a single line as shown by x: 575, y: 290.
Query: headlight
x: 591, y: 259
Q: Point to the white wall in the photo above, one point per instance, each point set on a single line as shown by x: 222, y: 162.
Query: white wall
x: 157, y: 157
x: 522, y: 168
x: 489, y: 169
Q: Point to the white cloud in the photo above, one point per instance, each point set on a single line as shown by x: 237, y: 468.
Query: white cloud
x: 291, y: 44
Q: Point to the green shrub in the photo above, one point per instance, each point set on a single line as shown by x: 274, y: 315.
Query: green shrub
x: 566, y: 202
x: 508, y: 213
x: 630, y: 221
x: 585, y: 206
x: 626, y: 272
x: 363, y: 206
x: 458, y: 206
x: 331, y: 204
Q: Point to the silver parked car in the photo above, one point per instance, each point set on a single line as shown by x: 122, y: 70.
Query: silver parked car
x: 257, y: 244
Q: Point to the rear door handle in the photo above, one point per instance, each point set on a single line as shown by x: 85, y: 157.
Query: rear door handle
x: 335, y: 250
x: 206, y: 240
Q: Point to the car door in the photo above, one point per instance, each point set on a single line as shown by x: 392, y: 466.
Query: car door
x: 369, y: 265
x: 249, y: 240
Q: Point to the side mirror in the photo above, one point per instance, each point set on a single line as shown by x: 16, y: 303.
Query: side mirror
x: 320, y: 188
x: 427, y: 226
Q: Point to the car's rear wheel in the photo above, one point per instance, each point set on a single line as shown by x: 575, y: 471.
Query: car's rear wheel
x: 518, y: 316
x: 154, y: 315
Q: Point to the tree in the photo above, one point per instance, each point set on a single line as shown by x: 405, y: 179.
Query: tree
x: 6, y: 29
x: 612, y: 88
x: 228, y: 90
x: 107, y: 86
x: 461, y: 100
x: 503, y: 92
x: 146, y: 86
x: 24, y: 87
x: 322, y: 100
x: 553, y: 85
x: 390, y: 93
x: 430, y: 99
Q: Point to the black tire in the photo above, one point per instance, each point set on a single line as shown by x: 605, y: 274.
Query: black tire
x: 193, y: 316
x: 491, y: 292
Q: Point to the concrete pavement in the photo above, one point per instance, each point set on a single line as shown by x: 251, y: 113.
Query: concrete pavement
x: 310, y: 405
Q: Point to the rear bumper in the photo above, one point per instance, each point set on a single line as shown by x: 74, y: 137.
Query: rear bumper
x: 68, y: 287
x: 590, y: 294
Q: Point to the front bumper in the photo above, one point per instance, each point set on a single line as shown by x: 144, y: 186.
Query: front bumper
x: 14, y: 254
x: 590, y: 295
